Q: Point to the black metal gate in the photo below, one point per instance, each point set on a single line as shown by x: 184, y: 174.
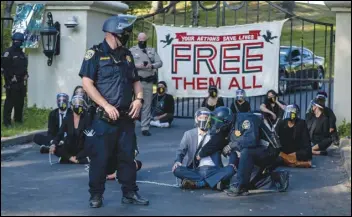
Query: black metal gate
x: 309, y: 45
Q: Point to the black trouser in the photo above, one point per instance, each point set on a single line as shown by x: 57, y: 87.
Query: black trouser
x: 66, y: 151
x: 41, y: 139
x: 109, y: 142
x: 262, y: 157
x: 14, y: 99
x: 167, y: 119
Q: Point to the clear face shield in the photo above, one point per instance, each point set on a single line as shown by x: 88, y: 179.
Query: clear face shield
x: 62, y: 101
x: 240, y: 95
x: 290, y: 113
x: 78, y: 105
x: 202, y: 119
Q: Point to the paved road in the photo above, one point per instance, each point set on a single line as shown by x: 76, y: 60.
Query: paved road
x: 301, y: 96
x: 30, y: 186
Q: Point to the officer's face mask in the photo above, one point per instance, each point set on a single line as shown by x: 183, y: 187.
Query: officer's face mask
x: 17, y: 44
x: 142, y: 44
x: 160, y: 90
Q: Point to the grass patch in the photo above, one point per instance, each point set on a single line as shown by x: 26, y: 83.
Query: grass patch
x: 34, y: 119
x: 344, y: 130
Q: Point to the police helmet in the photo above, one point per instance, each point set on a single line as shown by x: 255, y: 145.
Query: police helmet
x: 291, y: 112
x: 221, y: 119
x: 18, y: 36
x: 119, y: 24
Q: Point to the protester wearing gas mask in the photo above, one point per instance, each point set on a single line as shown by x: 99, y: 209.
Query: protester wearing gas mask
x: 240, y: 104
x: 14, y: 66
x: 70, y: 148
x: 91, y: 107
x: 163, y: 107
x: 296, y: 150
x: 272, y: 109
x: 147, y: 62
x: 205, y: 172
x: 318, y: 126
x: 322, y: 97
x: 213, y: 100
x: 55, y: 120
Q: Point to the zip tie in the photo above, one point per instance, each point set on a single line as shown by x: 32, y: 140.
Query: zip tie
x: 51, y: 162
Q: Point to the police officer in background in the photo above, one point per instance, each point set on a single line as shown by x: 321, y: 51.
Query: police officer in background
x: 110, y: 78
x: 147, y: 61
x: 14, y: 66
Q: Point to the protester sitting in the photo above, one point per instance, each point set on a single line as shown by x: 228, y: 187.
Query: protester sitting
x: 55, y: 121
x: 208, y: 171
x: 213, y: 100
x: 240, y: 104
x: 272, y: 109
x: 322, y: 96
x: 163, y: 107
x: 70, y: 149
x: 296, y: 150
x: 318, y: 126
x: 79, y: 91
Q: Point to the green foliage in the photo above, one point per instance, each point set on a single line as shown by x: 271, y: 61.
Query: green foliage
x: 344, y: 129
x: 34, y: 119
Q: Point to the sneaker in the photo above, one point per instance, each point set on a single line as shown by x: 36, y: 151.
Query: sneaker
x: 188, y: 184
x: 96, y: 201
x: 155, y: 123
x: 235, y: 191
x: 164, y: 125
x: 222, y: 185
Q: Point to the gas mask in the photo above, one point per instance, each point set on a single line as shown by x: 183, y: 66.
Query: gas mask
x: 213, y: 92
x: 62, y: 101
x: 17, y: 44
x: 291, y: 113
x: 142, y: 44
x: 160, y: 90
x: 78, y: 105
x: 202, y: 119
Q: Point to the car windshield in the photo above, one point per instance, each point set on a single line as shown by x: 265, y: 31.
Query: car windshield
x: 284, y: 54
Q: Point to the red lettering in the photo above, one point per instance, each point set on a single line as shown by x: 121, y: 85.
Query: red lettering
x: 252, y: 57
x: 177, y: 79
x: 244, y: 83
x: 255, y: 83
x: 176, y: 57
x: 185, y: 83
x: 202, y: 85
x: 217, y: 84
x: 208, y: 59
x: 229, y: 59
x: 234, y: 83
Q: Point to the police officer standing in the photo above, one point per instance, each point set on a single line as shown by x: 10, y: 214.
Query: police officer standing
x: 109, y: 77
x: 147, y: 61
x: 14, y: 66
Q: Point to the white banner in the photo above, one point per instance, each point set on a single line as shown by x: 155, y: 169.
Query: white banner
x: 230, y: 57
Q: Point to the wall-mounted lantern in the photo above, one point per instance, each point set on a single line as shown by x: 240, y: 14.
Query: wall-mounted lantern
x: 50, y: 36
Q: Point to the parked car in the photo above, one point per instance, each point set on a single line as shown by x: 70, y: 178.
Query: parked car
x: 301, y: 65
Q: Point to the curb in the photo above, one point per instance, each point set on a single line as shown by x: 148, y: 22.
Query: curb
x: 345, y: 151
x: 20, y: 139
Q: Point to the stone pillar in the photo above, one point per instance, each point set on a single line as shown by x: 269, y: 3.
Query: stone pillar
x: 342, y: 70
x: 62, y: 76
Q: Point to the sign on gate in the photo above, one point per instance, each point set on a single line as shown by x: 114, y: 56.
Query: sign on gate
x: 230, y: 57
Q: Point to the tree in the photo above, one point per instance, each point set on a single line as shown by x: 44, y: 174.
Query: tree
x: 172, y: 10
x: 7, y: 12
x: 156, y: 5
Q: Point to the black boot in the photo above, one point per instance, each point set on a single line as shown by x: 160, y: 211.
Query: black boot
x: 146, y: 133
x: 44, y: 149
x: 134, y: 198
x: 96, y: 201
x: 281, y: 180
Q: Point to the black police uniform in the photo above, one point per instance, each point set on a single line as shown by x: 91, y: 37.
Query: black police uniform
x: 113, y: 73
x: 14, y: 63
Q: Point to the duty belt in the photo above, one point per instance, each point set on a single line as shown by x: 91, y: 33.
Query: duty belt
x: 103, y: 115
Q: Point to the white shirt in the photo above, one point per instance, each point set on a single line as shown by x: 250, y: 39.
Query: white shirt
x: 61, y: 117
x: 207, y: 161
